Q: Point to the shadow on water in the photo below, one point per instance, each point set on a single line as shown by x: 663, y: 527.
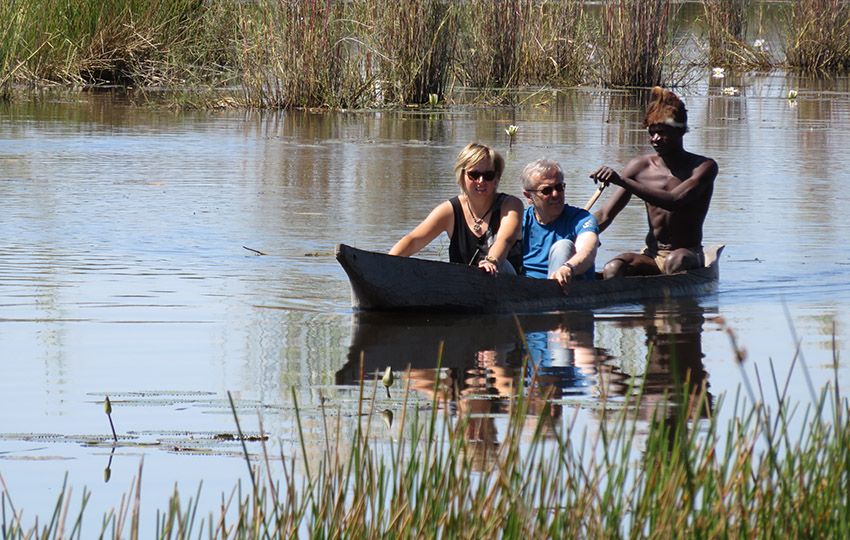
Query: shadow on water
x: 476, y: 364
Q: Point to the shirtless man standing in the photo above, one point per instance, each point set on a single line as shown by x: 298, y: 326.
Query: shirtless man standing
x: 675, y: 185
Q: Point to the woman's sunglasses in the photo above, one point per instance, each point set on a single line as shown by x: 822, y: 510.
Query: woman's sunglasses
x: 549, y: 189
x: 488, y: 176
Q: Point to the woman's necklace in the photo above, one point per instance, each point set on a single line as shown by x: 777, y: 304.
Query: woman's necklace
x: 479, y: 221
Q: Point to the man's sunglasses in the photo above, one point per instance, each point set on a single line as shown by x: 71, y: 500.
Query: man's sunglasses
x: 488, y: 176
x: 549, y: 189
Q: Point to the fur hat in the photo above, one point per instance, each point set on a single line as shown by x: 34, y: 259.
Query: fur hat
x: 665, y: 107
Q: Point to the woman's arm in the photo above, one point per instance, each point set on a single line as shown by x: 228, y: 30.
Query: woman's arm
x: 441, y: 219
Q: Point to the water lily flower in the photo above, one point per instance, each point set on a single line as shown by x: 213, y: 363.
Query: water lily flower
x: 730, y: 91
x: 759, y: 44
x: 511, y: 131
x: 387, y: 417
x: 433, y: 99
x: 388, y: 379
x: 718, y: 72
x: 792, y: 94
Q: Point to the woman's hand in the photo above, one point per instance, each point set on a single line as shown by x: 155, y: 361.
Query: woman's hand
x: 489, y: 267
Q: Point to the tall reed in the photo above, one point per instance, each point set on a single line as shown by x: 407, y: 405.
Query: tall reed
x: 818, y: 36
x: 411, y: 46
x: 634, y: 41
x: 142, y: 42
x: 727, y: 29
x: 726, y: 24
x: 556, y: 44
x: 490, y: 49
x: 294, y: 55
x: 11, y: 24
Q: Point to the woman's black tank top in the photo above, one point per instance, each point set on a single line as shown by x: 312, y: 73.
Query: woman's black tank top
x: 466, y: 248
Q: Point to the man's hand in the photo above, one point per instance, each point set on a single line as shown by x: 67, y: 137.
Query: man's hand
x: 606, y: 175
x: 564, y: 276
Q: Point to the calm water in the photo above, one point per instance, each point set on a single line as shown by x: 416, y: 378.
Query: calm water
x: 123, y: 272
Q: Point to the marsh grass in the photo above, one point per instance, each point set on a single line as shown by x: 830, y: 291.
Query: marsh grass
x: 726, y: 24
x: 557, y: 43
x: 506, y: 44
x: 819, y: 36
x: 115, y: 42
x: 11, y: 19
x: 773, y: 471
x: 366, y: 53
x: 635, y: 41
x: 490, y: 52
x: 292, y: 54
x: 411, y: 47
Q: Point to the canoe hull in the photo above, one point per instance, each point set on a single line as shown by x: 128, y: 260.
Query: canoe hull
x: 381, y: 282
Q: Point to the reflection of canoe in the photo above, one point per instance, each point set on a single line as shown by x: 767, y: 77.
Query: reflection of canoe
x: 382, y: 340
x: 387, y: 283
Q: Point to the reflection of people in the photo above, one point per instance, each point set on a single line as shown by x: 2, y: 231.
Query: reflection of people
x: 483, y: 225
x: 674, y: 339
x: 675, y: 185
x: 559, y: 241
x: 564, y: 358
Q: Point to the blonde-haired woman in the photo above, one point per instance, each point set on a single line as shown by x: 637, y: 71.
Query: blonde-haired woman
x: 484, y: 226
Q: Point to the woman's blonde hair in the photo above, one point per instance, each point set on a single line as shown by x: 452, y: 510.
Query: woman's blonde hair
x: 474, y: 153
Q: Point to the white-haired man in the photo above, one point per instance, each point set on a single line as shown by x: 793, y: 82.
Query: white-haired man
x: 558, y: 240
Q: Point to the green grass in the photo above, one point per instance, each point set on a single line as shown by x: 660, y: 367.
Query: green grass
x: 773, y: 471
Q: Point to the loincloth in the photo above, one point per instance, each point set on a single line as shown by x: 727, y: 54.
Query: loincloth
x: 660, y: 255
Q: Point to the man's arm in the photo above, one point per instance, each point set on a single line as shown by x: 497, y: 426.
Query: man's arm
x: 687, y: 191
x: 621, y: 196
x: 583, y: 259
x: 616, y: 202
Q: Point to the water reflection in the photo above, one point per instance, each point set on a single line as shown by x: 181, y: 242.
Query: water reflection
x: 474, y: 365
x: 674, y: 364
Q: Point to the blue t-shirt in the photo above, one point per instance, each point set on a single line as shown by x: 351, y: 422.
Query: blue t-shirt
x: 537, y: 238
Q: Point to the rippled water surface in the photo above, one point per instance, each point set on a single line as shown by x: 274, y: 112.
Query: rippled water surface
x: 124, y: 271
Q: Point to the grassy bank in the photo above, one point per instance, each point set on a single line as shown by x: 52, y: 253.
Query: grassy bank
x: 775, y: 471
x: 364, y: 53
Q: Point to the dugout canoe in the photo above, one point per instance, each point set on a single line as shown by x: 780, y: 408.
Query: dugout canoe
x: 381, y: 282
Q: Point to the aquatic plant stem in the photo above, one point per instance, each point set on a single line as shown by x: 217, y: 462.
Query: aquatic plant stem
x: 300, y: 432
x: 242, y: 440
x: 107, y: 405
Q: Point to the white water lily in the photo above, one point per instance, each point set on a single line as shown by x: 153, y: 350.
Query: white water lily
x: 792, y: 94
x: 511, y: 130
x: 433, y: 99
x: 759, y: 44
x: 730, y: 91
x: 718, y: 72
